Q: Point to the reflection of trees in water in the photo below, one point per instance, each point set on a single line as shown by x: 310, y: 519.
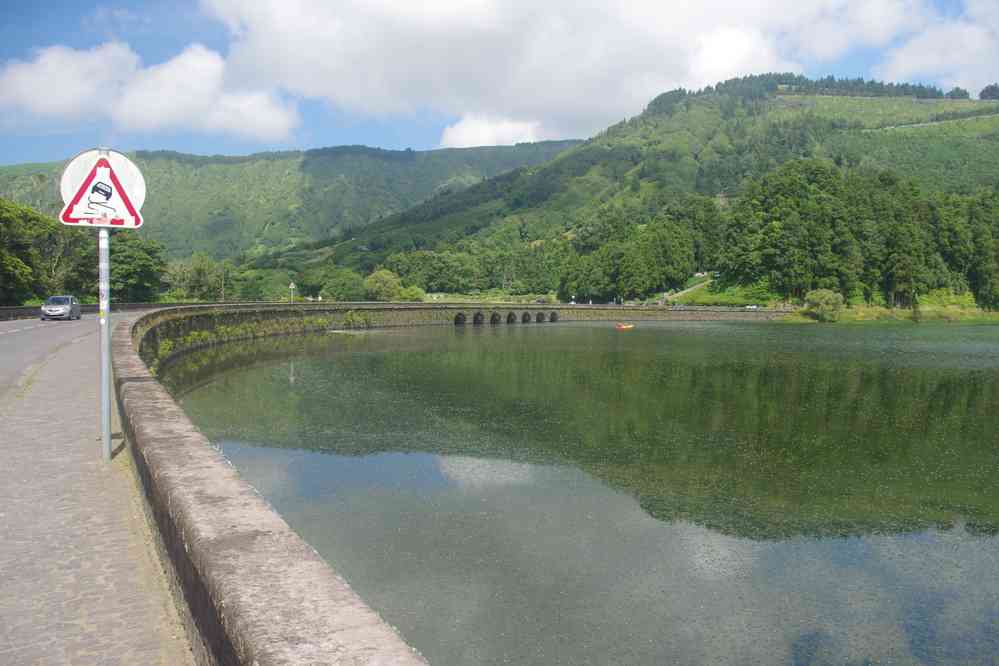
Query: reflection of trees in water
x: 760, y: 446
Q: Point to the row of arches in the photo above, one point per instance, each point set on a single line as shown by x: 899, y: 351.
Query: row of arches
x: 494, y: 318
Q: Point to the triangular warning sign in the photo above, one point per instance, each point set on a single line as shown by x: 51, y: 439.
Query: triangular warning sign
x: 101, y: 201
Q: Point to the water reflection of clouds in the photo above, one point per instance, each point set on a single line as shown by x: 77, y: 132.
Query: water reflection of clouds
x: 272, y: 476
x: 714, y: 556
x: 581, y: 574
x: 468, y: 472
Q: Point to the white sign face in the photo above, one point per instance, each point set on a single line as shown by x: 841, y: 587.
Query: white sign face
x: 102, y: 188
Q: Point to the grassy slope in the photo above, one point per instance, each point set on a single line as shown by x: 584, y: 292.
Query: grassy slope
x: 227, y: 205
x: 880, y: 112
x: 706, y: 148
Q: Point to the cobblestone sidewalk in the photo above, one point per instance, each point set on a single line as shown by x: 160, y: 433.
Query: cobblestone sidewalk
x: 80, y: 582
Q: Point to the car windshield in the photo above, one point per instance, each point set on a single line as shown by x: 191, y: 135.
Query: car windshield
x: 57, y: 300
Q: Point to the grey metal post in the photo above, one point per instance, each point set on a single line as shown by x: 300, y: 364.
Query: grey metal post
x: 104, y: 324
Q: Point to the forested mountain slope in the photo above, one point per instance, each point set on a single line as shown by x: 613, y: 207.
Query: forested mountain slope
x: 704, y: 144
x: 225, y: 206
x: 642, y: 205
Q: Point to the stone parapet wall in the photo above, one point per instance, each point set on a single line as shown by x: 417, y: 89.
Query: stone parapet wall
x: 172, y: 331
x: 256, y: 592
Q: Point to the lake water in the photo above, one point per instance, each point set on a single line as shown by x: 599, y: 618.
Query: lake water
x: 691, y: 493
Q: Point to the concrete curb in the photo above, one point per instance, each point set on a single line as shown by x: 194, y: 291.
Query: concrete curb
x: 256, y: 592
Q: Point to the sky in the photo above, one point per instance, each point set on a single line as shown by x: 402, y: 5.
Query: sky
x: 243, y: 76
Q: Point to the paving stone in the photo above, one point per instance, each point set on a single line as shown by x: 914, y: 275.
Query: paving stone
x: 80, y: 581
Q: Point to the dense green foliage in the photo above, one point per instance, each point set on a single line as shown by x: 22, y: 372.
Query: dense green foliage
x: 593, y: 222
x: 383, y: 285
x: 344, y: 284
x: 137, y: 268
x: 824, y: 304
x: 224, y: 206
x: 870, y: 237
x: 763, y: 85
x: 990, y: 91
x: 781, y: 184
x: 39, y: 257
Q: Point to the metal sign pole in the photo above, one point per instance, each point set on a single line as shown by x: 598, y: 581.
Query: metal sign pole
x: 103, y: 188
x: 104, y: 323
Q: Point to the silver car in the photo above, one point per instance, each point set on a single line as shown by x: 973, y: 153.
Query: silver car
x: 61, y: 307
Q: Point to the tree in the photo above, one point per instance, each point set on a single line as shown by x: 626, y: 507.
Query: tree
x: 199, y: 278
x: 958, y: 93
x: 19, y: 252
x: 413, y: 294
x: 137, y: 268
x: 344, y: 285
x: 227, y: 272
x: 823, y: 304
x: 203, y: 280
x: 312, y: 280
x: 990, y: 91
x: 383, y: 285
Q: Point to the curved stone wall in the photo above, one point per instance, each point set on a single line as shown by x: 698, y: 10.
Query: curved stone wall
x: 163, y: 333
x: 256, y: 592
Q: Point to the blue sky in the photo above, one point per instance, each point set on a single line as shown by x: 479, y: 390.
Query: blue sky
x: 240, y: 76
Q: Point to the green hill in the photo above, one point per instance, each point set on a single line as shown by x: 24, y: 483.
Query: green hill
x: 884, y: 193
x: 225, y: 206
x: 659, y: 194
x: 705, y: 144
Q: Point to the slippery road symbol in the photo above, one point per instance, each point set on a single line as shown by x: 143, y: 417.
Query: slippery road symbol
x: 98, y: 199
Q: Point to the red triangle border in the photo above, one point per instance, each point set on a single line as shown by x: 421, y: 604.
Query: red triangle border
x: 117, y: 221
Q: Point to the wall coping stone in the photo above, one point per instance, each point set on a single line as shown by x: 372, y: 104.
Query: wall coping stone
x: 258, y: 593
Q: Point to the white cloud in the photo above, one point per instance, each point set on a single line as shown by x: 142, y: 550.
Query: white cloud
x: 187, y: 92
x: 827, y: 30
x: 172, y: 93
x: 508, y: 70
x: 961, y: 51
x: 66, y: 83
x: 719, y: 54
x: 518, y: 68
x: 475, y: 130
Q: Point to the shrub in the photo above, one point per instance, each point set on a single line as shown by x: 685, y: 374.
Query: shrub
x: 344, y: 285
x: 412, y: 293
x: 383, y: 285
x: 823, y: 304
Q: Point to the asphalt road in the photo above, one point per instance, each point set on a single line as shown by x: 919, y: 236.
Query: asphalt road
x: 25, y: 343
